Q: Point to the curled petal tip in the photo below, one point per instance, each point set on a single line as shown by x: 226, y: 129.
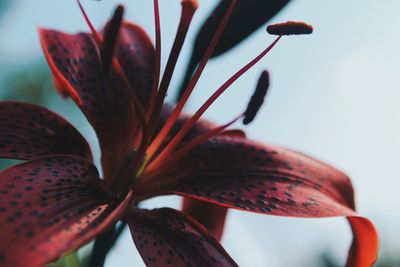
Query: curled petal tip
x: 257, y: 99
x: 290, y: 28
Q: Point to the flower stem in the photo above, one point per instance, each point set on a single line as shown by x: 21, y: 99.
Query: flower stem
x: 69, y: 260
x: 72, y: 260
x: 103, y: 245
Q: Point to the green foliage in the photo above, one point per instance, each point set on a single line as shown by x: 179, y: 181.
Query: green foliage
x: 70, y: 260
x: 30, y: 83
x: 4, y: 4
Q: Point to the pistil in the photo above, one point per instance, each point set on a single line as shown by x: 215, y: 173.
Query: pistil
x: 288, y: 28
x: 179, y: 107
x: 157, y: 66
x: 157, y: 96
x: 191, y: 122
x: 188, y: 9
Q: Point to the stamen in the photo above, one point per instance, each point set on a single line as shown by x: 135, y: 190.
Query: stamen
x: 290, y: 28
x: 157, y: 67
x: 188, y: 9
x: 190, y: 123
x: 160, y: 162
x: 257, y: 99
x: 179, y: 107
x: 96, y: 35
x: 110, y: 38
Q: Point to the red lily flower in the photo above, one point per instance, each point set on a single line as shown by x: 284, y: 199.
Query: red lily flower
x: 55, y: 201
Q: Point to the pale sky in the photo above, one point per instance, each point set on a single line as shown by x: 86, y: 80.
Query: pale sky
x: 334, y: 95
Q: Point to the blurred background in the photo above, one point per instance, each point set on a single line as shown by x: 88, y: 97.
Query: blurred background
x: 334, y: 95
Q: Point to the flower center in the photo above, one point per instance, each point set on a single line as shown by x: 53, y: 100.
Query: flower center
x: 149, y: 155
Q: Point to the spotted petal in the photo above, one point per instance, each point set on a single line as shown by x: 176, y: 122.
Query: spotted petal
x: 105, y: 101
x: 137, y: 57
x: 166, y: 237
x: 211, y: 216
x: 48, y: 207
x: 29, y: 131
x: 242, y: 174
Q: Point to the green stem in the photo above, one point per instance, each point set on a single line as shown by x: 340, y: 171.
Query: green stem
x: 72, y: 260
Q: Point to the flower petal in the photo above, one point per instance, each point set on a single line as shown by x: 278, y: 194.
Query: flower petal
x: 29, y: 131
x: 105, y: 101
x: 75, y: 62
x: 166, y: 237
x: 48, y: 207
x: 242, y: 174
x: 209, y: 215
x: 137, y: 57
x: 363, y: 251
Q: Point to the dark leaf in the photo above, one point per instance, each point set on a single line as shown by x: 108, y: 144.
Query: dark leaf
x: 247, y: 17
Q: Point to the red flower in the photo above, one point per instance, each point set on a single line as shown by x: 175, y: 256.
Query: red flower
x: 55, y: 201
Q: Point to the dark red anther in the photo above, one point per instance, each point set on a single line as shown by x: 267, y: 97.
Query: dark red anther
x: 110, y: 38
x: 257, y: 99
x: 290, y: 28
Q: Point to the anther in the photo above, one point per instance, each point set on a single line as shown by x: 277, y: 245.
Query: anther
x: 257, y: 99
x: 290, y: 28
x: 110, y: 38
